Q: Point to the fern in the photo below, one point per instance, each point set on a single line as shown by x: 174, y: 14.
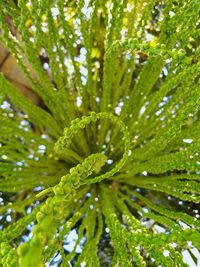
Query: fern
x: 111, y: 149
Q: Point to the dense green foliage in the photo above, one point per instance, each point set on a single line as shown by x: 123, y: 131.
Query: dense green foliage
x: 111, y: 150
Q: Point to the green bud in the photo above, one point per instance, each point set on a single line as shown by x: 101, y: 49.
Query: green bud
x: 65, y: 178
x: 58, y: 190
x: 23, y: 249
x: 46, y: 209
x: 58, y: 201
x: 58, y: 213
x: 40, y: 216
x: 39, y: 239
x: 49, y: 200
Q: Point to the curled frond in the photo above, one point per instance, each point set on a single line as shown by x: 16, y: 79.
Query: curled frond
x: 99, y: 139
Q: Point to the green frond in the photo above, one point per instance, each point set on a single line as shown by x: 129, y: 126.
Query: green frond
x: 99, y: 139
